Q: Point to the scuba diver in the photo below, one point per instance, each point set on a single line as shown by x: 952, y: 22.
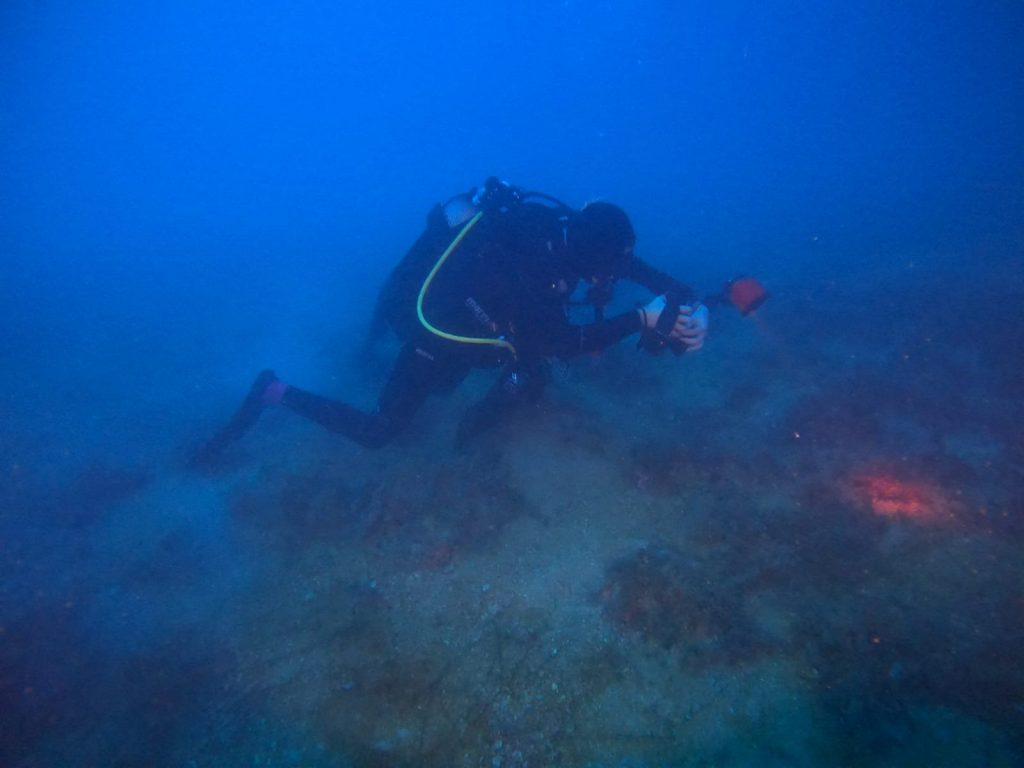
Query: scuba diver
x: 488, y: 285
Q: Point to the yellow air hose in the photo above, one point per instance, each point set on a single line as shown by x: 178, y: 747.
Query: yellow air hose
x: 426, y: 287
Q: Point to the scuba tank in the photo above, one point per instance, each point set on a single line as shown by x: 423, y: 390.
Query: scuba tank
x: 397, y: 301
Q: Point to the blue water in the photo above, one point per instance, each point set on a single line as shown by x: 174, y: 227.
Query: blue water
x: 801, y: 545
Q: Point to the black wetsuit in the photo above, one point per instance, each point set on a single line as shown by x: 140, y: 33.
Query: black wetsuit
x: 511, y: 277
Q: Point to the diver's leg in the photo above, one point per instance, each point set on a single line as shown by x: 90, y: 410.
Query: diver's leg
x: 415, y: 376
x: 368, y: 429
x: 517, y: 386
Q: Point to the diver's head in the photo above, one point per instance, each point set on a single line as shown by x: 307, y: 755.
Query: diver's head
x: 601, y: 240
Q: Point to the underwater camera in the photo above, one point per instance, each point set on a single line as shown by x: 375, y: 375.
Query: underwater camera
x: 745, y: 293
x: 657, y: 339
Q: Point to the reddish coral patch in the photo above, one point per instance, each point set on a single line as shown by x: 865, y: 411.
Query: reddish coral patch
x: 891, y: 496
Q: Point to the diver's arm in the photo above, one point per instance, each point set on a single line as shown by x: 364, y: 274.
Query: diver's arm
x: 690, y: 327
x: 565, y: 340
x: 549, y: 333
x: 656, y: 281
x: 594, y: 337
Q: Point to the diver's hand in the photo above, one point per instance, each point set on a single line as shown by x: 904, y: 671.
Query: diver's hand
x: 691, y: 326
